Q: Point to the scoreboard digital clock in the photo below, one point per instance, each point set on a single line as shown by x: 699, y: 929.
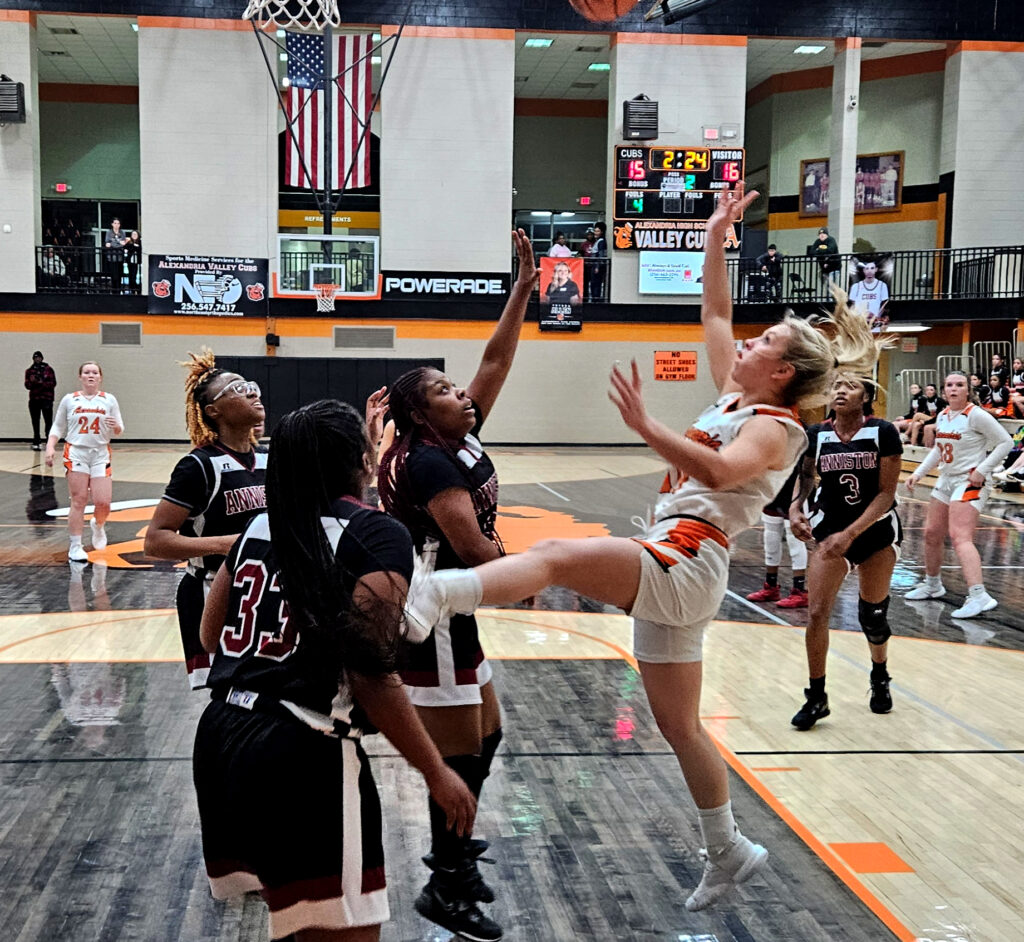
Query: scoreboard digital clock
x: 665, y: 195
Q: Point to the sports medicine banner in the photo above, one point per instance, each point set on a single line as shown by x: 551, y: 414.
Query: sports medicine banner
x: 222, y: 286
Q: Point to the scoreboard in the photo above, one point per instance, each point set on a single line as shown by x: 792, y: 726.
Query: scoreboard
x: 664, y: 193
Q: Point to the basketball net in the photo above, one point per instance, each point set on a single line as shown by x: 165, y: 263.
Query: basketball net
x: 325, y: 295
x: 300, y: 15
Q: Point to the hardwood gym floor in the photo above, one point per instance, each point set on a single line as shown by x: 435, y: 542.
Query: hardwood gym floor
x: 902, y: 826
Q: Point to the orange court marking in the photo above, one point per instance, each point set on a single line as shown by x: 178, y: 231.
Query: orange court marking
x: 774, y: 768
x: 872, y: 857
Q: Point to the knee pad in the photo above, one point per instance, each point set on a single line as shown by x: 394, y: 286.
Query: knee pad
x: 874, y: 621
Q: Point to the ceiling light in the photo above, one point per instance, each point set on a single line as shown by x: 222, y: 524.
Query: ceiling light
x: 283, y: 56
x: 374, y: 60
x: 808, y: 50
x: 280, y: 34
x: 566, y: 214
x: 135, y: 27
x: 599, y: 67
x: 537, y: 43
x: 906, y: 328
x: 535, y: 213
x: 376, y: 37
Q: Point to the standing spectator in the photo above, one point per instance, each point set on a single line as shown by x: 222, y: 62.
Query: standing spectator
x: 587, y: 245
x: 113, y: 243
x: 133, y: 260
x: 825, y: 249
x: 40, y: 381
x: 771, y: 265
x: 558, y: 248
x: 598, y: 269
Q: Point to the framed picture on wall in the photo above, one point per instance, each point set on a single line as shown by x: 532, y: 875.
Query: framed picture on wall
x: 878, y: 184
x: 814, y: 185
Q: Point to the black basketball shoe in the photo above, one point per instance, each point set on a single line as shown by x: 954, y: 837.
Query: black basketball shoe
x: 881, y: 699
x: 467, y: 875
x: 442, y: 903
x: 814, y: 709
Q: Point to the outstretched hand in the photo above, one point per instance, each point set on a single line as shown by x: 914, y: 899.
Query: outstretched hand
x: 528, y: 273
x: 376, y: 407
x: 731, y: 206
x: 628, y: 398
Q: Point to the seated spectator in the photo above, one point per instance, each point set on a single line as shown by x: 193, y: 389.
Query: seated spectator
x: 771, y: 266
x: 998, y: 400
x: 1017, y: 374
x: 558, y: 248
x: 978, y: 390
x: 1000, y: 367
x: 922, y: 424
x: 916, y: 405
x: 51, y: 266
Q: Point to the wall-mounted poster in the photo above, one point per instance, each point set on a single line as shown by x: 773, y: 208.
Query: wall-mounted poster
x: 561, y: 294
x: 878, y: 184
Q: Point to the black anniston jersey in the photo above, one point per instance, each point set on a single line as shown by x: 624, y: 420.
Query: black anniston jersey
x: 848, y: 472
x: 222, y: 491
x: 432, y: 470
x: 262, y: 650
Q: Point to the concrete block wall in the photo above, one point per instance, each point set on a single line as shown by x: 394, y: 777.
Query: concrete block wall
x: 446, y: 151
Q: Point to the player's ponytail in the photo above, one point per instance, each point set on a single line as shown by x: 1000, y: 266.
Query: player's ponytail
x: 318, y: 454
x: 822, y: 347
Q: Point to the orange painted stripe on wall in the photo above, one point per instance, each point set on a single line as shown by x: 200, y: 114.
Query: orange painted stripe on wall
x: 192, y: 22
x: 24, y: 322
x: 675, y: 39
x: 978, y: 45
x: 89, y: 94
x: 450, y: 32
x: 911, y: 212
x: 18, y: 16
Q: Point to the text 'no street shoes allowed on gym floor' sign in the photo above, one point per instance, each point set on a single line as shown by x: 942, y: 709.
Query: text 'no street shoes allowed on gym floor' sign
x: 675, y: 365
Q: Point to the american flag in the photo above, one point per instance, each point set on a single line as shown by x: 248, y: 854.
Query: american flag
x: 305, y: 102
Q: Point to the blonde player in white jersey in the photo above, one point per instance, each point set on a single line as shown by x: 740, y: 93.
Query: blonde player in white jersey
x: 969, y: 445
x: 86, y: 420
x: 722, y: 472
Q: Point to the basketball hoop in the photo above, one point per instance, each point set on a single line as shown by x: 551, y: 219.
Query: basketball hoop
x: 325, y: 295
x: 301, y: 15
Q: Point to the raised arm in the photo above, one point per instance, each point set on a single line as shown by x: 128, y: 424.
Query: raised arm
x: 760, y: 444
x: 716, y: 309
x: 501, y: 348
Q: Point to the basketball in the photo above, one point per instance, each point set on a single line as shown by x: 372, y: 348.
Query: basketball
x: 602, y: 11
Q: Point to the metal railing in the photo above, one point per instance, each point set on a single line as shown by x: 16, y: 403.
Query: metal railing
x: 76, y: 269
x: 936, y: 274
x: 918, y: 274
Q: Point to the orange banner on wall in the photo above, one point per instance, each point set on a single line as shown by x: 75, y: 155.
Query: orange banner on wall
x: 675, y: 366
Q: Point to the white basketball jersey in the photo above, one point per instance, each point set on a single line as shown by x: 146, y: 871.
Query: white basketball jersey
x: 79, y: 419
x: 964, y: 439
x: 738, y: 508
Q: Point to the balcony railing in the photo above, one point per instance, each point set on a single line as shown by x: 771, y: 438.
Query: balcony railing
x: 918, y: 275
x: 67, y: 269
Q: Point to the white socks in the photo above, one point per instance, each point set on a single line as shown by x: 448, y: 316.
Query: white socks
x: 933, y: 582
x: 717, y: 827
x: 461, y: 588
x: 75, y: 540
x: 976, y: 591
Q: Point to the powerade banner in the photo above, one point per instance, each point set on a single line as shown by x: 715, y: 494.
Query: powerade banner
x: 561, y: 293
x: 443, y: 286
x: 221, y: 286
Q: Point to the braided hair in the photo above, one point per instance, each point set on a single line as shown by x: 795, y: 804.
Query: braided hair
x: 394, y: 485
x: 202, y: 370
x: 317, y: 454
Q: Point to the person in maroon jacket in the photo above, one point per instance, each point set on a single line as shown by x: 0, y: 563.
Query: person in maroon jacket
x: 40, y: 381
